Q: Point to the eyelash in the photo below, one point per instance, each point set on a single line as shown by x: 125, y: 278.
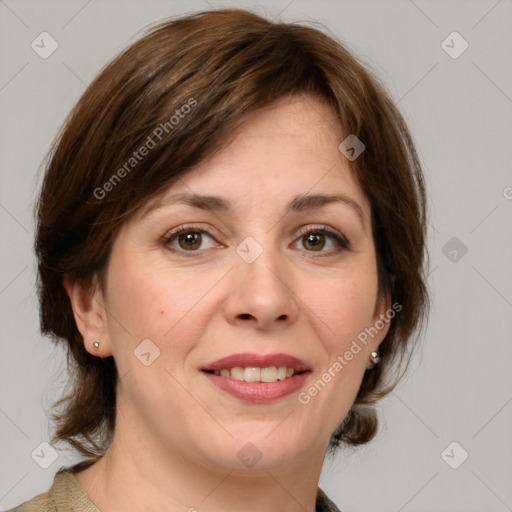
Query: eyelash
x: 342, y: 242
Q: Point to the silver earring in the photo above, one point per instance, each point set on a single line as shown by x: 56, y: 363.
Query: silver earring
x: 96, y: 345
x: 375, y: 357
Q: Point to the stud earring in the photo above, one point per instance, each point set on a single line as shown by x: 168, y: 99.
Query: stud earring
x: 96, y: 345
x: 375, y: 357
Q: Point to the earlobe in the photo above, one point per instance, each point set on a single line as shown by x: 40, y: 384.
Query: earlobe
x: 382, y: 308
x: 90, y: 316
x: 374, y: 359
x: 381, y: 322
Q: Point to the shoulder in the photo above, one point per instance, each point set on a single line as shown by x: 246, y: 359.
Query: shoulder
x: 324, y: 504
x: 65, y: 495
x: 41, y: 503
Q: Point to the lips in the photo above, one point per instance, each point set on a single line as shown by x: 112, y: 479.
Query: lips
x: 257, y: 392
x: 258, y: 360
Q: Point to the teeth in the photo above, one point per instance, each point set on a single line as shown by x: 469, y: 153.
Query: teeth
x: 256, y: 374
x: 269, y: 374
x: 252, y: 374
x: 237, y: 373
x: 281, y: 372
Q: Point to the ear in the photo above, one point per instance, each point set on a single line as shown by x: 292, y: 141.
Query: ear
x: 90, y: 316
x: 382, y: 319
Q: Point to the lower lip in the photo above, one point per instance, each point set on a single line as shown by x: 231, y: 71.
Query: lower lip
x: 258, y: 392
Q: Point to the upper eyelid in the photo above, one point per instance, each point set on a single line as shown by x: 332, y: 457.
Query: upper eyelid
x: 300, y: 231
x: 305, y: 228
x: 189, y: 228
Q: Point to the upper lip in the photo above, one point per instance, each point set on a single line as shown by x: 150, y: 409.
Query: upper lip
x: 258, y: 360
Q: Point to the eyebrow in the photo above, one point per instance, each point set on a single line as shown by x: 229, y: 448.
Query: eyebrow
x: 300, y: 203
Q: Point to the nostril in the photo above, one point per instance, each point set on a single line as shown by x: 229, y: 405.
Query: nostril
x: 245, y: 316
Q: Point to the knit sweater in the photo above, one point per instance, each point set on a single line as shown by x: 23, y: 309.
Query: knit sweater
x: 65, y: 495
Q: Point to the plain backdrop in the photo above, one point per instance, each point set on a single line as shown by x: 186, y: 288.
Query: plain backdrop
x: 457, y: 399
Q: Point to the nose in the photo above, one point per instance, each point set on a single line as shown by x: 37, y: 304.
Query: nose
x: 261, y: 292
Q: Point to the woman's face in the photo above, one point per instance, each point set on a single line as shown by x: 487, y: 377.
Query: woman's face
x: 251, y: 274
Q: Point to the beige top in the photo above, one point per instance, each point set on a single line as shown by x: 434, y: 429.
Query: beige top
x: 66, y: 495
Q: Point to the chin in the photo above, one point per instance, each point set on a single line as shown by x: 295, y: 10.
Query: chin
x: 256, y: 452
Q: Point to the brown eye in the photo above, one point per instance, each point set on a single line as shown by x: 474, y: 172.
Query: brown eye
x: 315, y: 241
x: 190, y: 240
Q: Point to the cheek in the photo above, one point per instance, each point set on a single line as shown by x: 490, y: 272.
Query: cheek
x: 345, y: 306
x: 148, y: 300
x: 345, y: 309
x: 138, y: 301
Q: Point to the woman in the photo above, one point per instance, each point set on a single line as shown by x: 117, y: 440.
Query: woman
x: 230, y: 238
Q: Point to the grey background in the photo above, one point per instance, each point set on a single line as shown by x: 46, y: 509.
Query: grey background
x: 459, y: 387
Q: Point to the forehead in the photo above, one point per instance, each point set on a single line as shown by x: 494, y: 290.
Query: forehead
x: 279, y: 154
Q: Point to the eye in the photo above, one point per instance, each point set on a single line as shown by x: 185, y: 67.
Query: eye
x: 315, y: 239
x: 188, y: 238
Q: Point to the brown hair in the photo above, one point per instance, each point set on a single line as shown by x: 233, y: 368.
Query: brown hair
x: 224, y: 65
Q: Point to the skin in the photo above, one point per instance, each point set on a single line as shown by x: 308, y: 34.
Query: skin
x: 177, y: 435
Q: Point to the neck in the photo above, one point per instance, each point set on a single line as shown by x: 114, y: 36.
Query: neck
x: 136, y: 474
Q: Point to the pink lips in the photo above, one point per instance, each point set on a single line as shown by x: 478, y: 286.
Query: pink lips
x: 258, y: 360
x: 258, y: 392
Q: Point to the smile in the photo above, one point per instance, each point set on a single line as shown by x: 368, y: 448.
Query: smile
x: 258, y: 378
x: 256, y: 374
